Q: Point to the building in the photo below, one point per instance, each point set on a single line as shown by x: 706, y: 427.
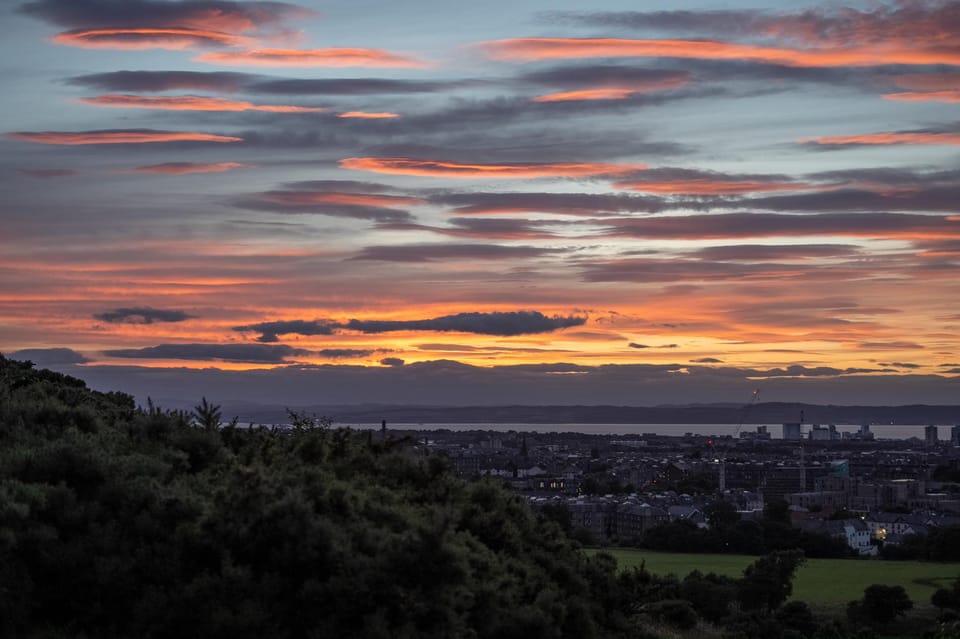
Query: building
x: 853, y: 531
x: 931, y: 435
x: 823, y: 433
x: 633, y: 520
x: 792, y: 431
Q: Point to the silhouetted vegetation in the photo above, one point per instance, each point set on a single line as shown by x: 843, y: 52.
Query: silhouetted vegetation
x: 118, y: 521
x: 729, y: 534
x: 941, y: 543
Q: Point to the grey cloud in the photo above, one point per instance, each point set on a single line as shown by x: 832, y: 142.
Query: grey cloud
x: 707, y: 360
x: 933, y: 198
x: 392, y: 361
x: 775, y: 251
x: 344, y: 353
x: 287, y: 202
x: 340, y: 186
x: 819, y: 371
x: 435, y: 252
x: 141, y: 315
x: 732, y: 225
x: 88, y: 14
x: 270, y: 331
x: 49, y: 173
x: 451, y: 383
x: 597, y: 75
x: 635, y: 345
x: 678, y: 270
x: 495, y: 323
x: 890, y: 345
x: 350, y: 86
x: 252, y: 353
x: 155, y: 81
x: 49, y: 356
x: 581, y: 204
x: 729, y: 23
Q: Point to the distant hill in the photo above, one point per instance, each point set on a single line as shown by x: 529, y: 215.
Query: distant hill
x: 763, y: 413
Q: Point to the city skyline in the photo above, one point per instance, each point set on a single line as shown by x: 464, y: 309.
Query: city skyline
x: 537, y: 202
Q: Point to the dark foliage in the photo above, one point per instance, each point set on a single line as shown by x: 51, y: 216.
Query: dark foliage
x: 742, y: 537
x: 880, y: 604
x: 118, y: 521
x: 124, y: 522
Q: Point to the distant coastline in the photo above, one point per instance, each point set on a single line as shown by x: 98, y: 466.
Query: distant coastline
x: 770, y: 413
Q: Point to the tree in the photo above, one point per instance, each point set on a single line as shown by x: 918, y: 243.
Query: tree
x: 207, y: 415
x: 880, y: 604
x: 796, y: 615
x: 777, y: 510
x: 768, y: 581
x: 721, y: 514
x: 947, y: 597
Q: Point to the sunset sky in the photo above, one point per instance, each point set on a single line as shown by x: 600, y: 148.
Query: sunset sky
x: 347, y: 201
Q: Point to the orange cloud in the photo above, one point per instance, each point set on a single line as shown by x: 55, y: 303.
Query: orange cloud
x: 928, y: 81
x: 72, y: 138
x: 173, y: 38
x: 574, y: 48
x: 586, y: 94
x: 191, y: 103
x: 711, y: 187
x: 337, y: 57
x: 347, y: 199
x: 436, y: 168
x: 614, y: 92
x: 889, y: 138
x: 952, y: 95
x: 368, y: 115
x: 183, y: 168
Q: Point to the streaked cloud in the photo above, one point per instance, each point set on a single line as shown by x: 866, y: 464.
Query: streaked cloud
x: 368, y: 115
x: 186, y: 168
x: 503, y: 323
x: 248, y: 353
x: 744, y: 225
x: 333, y: 57
x: 141, y: 315
x: 49, y: 173
x: 951, y: 95
x: 668, y: 181
x: 192, y: 103
x: 50, y: 356
x: 439, y: 168
x: 494, y: 323
x: 147, y: 24
x: 436, y: 252
x: 173, y: 38
x: 528, y: 49
x: 359, y: 205
x: 270, y: 331
x: 895, y: 137
x: 118, y: 136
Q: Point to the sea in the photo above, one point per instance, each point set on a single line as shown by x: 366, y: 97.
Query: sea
x: 880, y: 431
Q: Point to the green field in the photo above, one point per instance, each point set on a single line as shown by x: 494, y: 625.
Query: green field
x: 820, y: 582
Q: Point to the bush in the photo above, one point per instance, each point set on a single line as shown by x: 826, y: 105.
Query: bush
x: 880, y: 604
x: 675, y: 612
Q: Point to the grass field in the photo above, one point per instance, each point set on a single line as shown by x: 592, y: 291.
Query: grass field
x: 823, y: 583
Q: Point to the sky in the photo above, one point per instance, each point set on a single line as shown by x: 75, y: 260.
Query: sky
x: 533, y: 202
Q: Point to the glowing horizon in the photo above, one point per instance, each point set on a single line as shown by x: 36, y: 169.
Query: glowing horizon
x: 665, y: 201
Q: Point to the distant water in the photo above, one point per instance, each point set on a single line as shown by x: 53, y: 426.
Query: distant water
x: 880, y: 431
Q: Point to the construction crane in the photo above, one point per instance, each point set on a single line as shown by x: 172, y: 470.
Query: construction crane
x: 723, y: 455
